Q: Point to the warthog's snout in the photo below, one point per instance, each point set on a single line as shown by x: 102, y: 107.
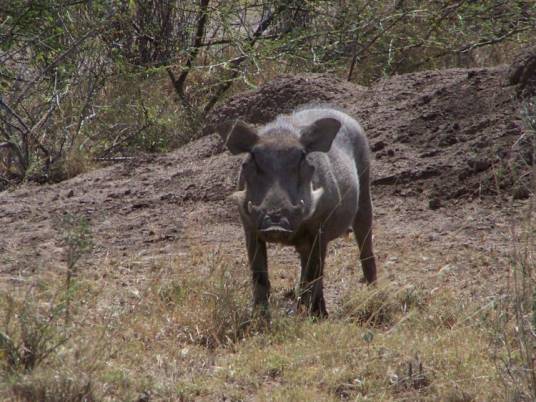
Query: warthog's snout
x: 274, y: 219
x: 275, y: 225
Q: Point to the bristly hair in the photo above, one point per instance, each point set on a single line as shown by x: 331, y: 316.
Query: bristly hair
x: 321, y: 105
x: 284, y: 122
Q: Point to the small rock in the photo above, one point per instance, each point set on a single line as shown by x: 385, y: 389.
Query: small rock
x: 377, y: 146
x: 446, y: 269
x: 70, y: 194
x: 434, y: 203
x: 520, y: 192
x: 426, y: 99
x: 478, y: 165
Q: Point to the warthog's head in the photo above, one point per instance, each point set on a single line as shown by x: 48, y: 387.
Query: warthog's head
x: 277, y: 193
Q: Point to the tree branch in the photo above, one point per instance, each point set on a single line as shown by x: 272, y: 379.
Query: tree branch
x: 57, y: 61
x: 14, y: 114
x: 178, y: 83
x: 226, y: 84
x: 469, y: 47
x: 372, y: 41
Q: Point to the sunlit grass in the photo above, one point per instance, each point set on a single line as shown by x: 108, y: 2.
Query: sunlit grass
x: 184, y: 331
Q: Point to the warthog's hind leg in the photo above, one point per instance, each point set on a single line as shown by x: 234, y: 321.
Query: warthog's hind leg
x: 362, y: 227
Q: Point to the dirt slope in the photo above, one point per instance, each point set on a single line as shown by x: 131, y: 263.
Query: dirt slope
x: 454, y: 126
x: 443, y: 142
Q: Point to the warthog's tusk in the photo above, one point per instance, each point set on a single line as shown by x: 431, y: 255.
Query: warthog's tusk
x: 239, y: 197
x: 250, y: 207
x: 315, y: 197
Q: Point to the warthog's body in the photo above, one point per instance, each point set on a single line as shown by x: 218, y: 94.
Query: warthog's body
x: 304, y: 183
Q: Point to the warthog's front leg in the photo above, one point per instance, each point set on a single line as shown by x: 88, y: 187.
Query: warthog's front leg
x: 259, y: 270
x: 310, y: 292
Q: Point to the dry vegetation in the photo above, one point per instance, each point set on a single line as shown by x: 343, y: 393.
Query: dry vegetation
x: 179, y: 334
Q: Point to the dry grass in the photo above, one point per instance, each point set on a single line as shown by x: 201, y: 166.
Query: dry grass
x: 181, y: 331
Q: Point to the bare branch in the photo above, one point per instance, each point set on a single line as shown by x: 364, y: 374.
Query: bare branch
x: 14, y: 114
x: 117, y: 142
x: 372, y: 41
x: 226, y: 84
x: 58, y: 60
x: 178, y: 83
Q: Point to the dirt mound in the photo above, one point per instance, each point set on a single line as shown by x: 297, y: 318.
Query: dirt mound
x: 523, y: 72
x: 144, y: 205
x: 282, y: 95
x: 447, y: 134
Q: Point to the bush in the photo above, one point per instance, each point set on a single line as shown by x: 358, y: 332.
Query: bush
x: 55, y: 386
x: 29, y: 335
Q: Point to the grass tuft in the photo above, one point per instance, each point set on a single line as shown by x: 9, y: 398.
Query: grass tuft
x: 57, y: 386
x: 381, y: 306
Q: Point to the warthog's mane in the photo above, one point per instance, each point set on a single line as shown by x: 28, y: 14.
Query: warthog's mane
x: 285, y: 124
x: 321, y: 106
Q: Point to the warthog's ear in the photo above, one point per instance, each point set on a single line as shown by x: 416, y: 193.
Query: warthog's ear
x: 319, y: 135
x: 238, y: 136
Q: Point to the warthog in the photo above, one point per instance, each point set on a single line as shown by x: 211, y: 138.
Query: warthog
x: 305, y: 182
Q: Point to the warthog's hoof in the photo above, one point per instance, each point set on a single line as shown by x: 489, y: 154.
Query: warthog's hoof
x: 316, y: 309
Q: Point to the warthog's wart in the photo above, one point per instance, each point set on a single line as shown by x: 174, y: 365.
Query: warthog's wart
x: 304, y: 182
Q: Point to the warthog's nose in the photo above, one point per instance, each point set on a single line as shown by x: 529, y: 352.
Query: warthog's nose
x: 274, y: 220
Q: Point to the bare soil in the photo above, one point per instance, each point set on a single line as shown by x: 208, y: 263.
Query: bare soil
x: 444, y: 143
